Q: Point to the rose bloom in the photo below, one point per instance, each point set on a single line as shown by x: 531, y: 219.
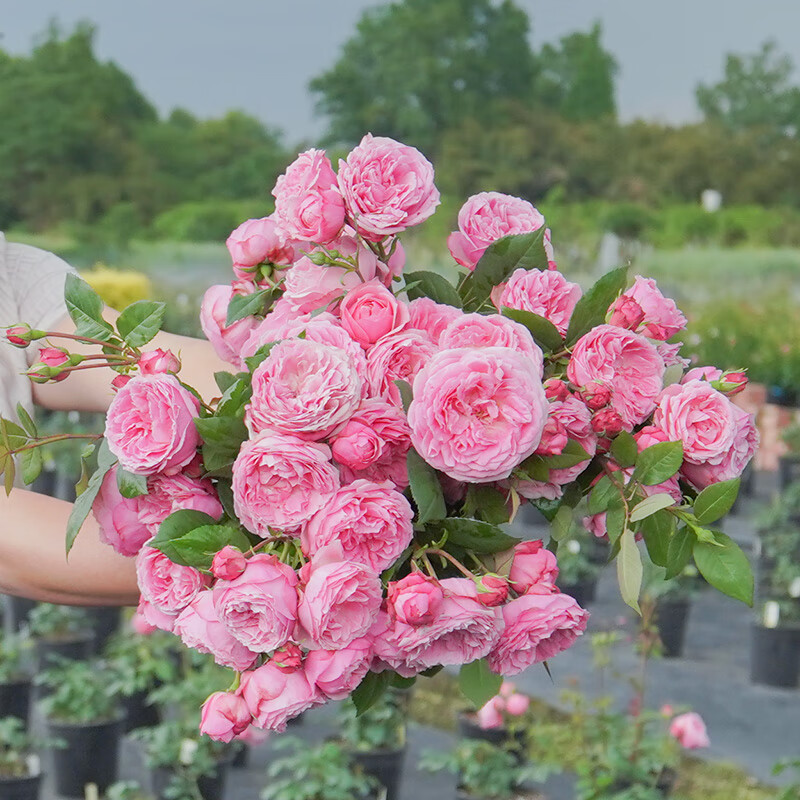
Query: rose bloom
x: 415, y: 599
x: 699, y: 416
x: 336, y: 673
x: 709, y: 374
x: 532, y: 565
x: 662, y: 318
x: 537, y: 627
x: 308, y: 204
x: 430, y: 317
x: 281, y: 481
x: 690, y: 731
x: 304, y: 388
x: 200, y: 628
x: 169, y: 493
x: 546, y: 293
x: 274, y: 697
x: 118, y: 518
x: 228, y: 563
x: 490, y: 715
x: 517, y: 704
x: 476, y: 414
x: 625, y: 363
x: 155, y: 617
x: 387, y: 187
x: 309, y: 286
x: 371, y: 521
x: 227, y: 340
x: 168, y: 586
x: 224, y: 716
x: 259, y: 608
x: 371, y: 311
x: 492, y: 330
x: 398, y: 356
x: 255, y: 241
x: 154, y: 362
x: 485, y: 218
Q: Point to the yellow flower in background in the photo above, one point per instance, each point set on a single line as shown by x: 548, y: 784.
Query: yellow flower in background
x: 118, y: 287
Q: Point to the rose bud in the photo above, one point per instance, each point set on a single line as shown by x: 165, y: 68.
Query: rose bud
x: 119, y: 381
x: 224, y: 716
x: 517, y: 704
x: 596, y: 395
x: 288, y: 658
x: 731, y: 383
x: 228, y: 563
x: 22, y: 335
x: 556, y: 389
x: 50, y: 365
x: 607, y: 422
x: 492, y: 589
x: 625, y: 312
x: 157, y: 361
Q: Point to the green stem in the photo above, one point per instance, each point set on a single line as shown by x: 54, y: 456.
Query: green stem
x: 454, y: 561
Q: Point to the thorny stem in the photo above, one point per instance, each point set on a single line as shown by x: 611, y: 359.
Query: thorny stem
x: 454, y: 561
x: 58, y: 437
x: 86, y: 339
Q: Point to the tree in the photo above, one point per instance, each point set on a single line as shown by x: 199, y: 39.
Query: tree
x: 414, y: 69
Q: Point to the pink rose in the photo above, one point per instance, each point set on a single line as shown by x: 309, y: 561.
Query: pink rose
x: 255, y: 241
x: 118, y: 518
x: 492, y: 589
x: 517, y: 704
x: 709, y: 374
x: 168, y: 586
x: 224, y: 716
x: 532, y: 565
x: 274, y: 697
x: 546, y: 293
x: 490, y: 715
x: 169, y: 493
x: 415, y: 600
x: 155, y: 617
x: 537, y: 627
x: 430, y: 317
x: 308, y: 205
x: 309, y: 286
x: 485, y: 218
x: 661, y: 317
x: 625, y: 312
x: 154, y: 362
x: 259, y: 607
x: 200, y: 628
x: 399, y: 356
x: 627, y: 364
x: 476, y: 414
x: 228, y: 564
x: 52, y: 357
x: 150, y: 425
x: 227, y: 340
x: 371, y: 311
x: 732, y: 382
x: 303, y: 388
x: 369, y: 265
x: 671, y: 354
x: 281, y: 481
x: 140, y: 625
x: 336, y: 673
x: 371, y: 521
x: 387, y: 187
x: 690, y: 731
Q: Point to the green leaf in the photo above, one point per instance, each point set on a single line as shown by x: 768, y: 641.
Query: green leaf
x: 370, y: 690
x: 478, y: 683
x: 651, y: 505
x: 726, y: 568
x: 615, y: 521
x: 198, y: 546
x: 83, y: 504
x: 259, y: 356
x: 131, y: 485
x: 572, y: 454
x: 224, y: 380
x: 629, y: 570
x: 657, y: 531
x: 432, y: 285
x: 480, y: 537
x: 31, y: 462
x: 679, y: 551
x: 26, y: 421
x: 715, y: 501
x: 624, y: 449
x: 658, y: 463
x: 545, y: 334
x: 534, y: 468
x: 487, y: 503
x: 562, y: 523
x: 406, y: 395
x: 591, y: 309
x: 425, y: 488
x: 86, y: 309
x: 235, y: 398
x: 141, y: 321
x: 222, y: 439
x: 602, y: 495
x: 178, y: 524
x: 245, y: 305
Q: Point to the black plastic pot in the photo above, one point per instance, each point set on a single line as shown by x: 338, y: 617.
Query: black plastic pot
x: 15, y: 699
x: 241, y: 758
x: 788, y: 471
x: 105, y: 623
x: 671, y: 617
x: 468, y: 728
x: 76, y: 648
x: 26, y: 788
x: 782, y: 396
x: 90, y: 755
x: 386, y: 766
x: 584, y: 591
x: 212, y: 787
x: 139, y: 713
x: 775, y: 656
x: 16, y: 610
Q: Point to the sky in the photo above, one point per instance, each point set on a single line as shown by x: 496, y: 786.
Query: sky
x: 210, y: 56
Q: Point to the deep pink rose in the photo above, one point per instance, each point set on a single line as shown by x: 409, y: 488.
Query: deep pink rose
x: 170, y: 587
x: 228, y: 563
x: 690, y: 730
x: 154, y: 362
x: 150, y: 425
x: 227, y: 340
x: 492, y: 589
x: 371, y: 521
x: 415, y: 600
x: 661, y: 317
x: 224, y: 716
x: 399, y: 356
x: 627, y: 364
x: 274, y: 697
x: 430, y: 317
x: 259, y: 607
x: 336, y: 673
x: 387, y: 187
x: 532, y: 565
x: 546, y: 293
x: 169, y: 493
x: 257, y: 240
x: 308, y: 204
x: 304, y: 388
x: 200, y: 628
x: 490, y: 715
x: 476, y: 414
x: 537, y: 627
x: 487, y: 217
x: 309, y: 286
x: 118, y: 518
x: 732, y: 382
x: 625, y: 312
x: 371, y: 311
x: 281, y: 481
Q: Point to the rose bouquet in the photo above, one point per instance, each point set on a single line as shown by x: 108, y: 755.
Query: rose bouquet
x: 334, y: 521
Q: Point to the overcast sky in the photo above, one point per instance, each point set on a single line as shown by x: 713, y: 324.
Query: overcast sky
x: 258, y: 55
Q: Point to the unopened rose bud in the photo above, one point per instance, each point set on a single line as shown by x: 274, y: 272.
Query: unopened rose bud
x: 22, y: 335
x: 50, y: 366
x: 556, y: 389
x: 228, y: 564
x: 53, y: 357
x: 38, y: 373
x: 158, y: 361
x: 319, y: 258
x: 119, y: 381
x: 731, y: 383
x: 288, y: 658
x: 596, y: 395
x: 607, y: 422
x: 625, y: 312
x: 492, y: 589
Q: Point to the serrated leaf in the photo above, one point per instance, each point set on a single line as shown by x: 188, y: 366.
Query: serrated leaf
x: 224, y: 380
x: 246, y: 305
x: 179, y: 523
x: 198, y: 546
x: 624, y: 449
x: 656, y: 531
x: 31, y: 464
x: 141, y: 321
x: 561, y: 525
x: 591, y: 309
x: 261, y: 355
x: 27, y: 423
x: 131, y: 485
x: 83, y: 503
x: 715, y: 501
x: 725, y: 567
x: 86, y: 309
x: 615, y: 522
x: 651, y: 505
x: 629, y: 570
x: 487, y: 503
x: 545, y: 334
x: 679, y: 551
x: 423, y: 283
x: 658, y: 463
x: 475, y: 535
x: 10, y: 474
x: 425, y: 488
x: 603, y: 493
x: 572, y: 455
x: 533, y: 468
x: 478, y: 683
x: 370, y: 690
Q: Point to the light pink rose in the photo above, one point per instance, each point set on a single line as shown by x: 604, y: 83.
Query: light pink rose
x: 139, y: 624
x: 430, y: 317
x: 228, y: 563
x: 532, y: 565
x: 492, y: 330
x: 309, y: 286
x: 476, y: 414
x: 537, y: 627
x: 170, y: 587
x: 671, y: 354
x: 371, y: 311
x: 399, y: 356
x: 662, y: 318
x: 547, y: 244
x: 546, y: 293
x: 274, y: 697
x: 154, y: 362
x: 485, y: 218
x: 257, y: 240
x: 387, y: 187
x: 227, y: 340
x: 490, y: 715
x: 259, y: 608
x: 517, y: 704
x: 200, y: 628
x: 150, y: 425
x: 224, y: 716
x: 155, y: 617
x: 336, y: 673
x: 308, y: 204
x: 690, y: 731
x: 709, y: 374
x: 167, y: 494
x: 118, y: 518
x: 371, y: 521
x: 415, y: 599
x: 303, y: 388
x: 627, y: 364
x: 281, y: 481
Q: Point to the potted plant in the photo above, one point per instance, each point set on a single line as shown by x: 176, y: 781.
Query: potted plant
x: 775, y: 643
x: 577, y: 568
x: 15, y: 682
x: 126, y: 790
x: 789, y: 462
x: 20, y: 772
x: 16, y: 611
x: 324, y: 772
x: 671, y: 603
x: 81, y: 711
x: 60, y: 632
x: 501, y: 721
x: 104, y: 622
